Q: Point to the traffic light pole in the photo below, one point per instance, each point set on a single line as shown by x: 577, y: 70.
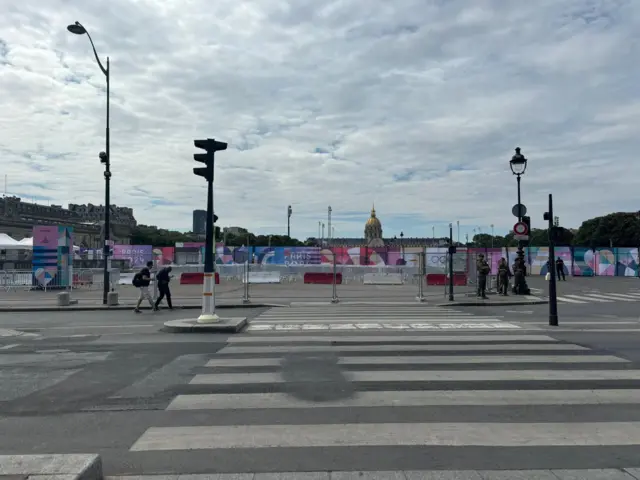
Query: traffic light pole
x: 209, y: 285
x: 451, y: 262
x: 553, y: 296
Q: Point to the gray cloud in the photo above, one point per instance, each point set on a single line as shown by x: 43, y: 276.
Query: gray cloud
x: 413, y: 105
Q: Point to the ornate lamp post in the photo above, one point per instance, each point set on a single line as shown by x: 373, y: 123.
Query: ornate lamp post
x: 518, y: 164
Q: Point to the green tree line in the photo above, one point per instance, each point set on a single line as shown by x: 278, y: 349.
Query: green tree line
x: 615, y: 229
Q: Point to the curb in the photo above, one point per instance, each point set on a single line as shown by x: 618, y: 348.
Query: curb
x: 225, y: 325
x: 491, y: 304
x: 67, y: 466
x: 98, y: 308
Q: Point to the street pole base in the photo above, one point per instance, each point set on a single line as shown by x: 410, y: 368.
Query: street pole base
x: 335, y: 300
x: 245, y: 301
x: 420, y: 298
x: 451, y: 298
x: 208, y: 318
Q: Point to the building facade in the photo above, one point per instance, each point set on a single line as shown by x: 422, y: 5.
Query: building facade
x: 17, y: 219
x: 199, y: 222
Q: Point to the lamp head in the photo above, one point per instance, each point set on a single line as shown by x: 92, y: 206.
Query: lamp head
x: 76, y: 29
x: 518, y: 163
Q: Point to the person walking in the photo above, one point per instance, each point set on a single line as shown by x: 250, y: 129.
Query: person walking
x: 503, y: 277
x: 142, y: 280
x: 163, y: 278
x: 560, y: 269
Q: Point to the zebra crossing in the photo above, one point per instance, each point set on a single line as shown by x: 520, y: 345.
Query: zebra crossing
x: 379, y: 316
x: 391, y: 402
x: 598, y: 297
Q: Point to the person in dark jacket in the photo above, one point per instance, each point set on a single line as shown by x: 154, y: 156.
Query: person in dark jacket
x: 560, y: 269
x: 163, y: 278
x: 503, y: 277
x: 483, y: 269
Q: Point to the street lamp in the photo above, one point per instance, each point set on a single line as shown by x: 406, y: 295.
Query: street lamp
x: 492, y: 235
x: 518, y: 164
x: 402, y: 246
x: 105, y: 159
x: 289, y: 212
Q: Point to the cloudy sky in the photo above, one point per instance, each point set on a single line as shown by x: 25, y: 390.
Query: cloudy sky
x: 415, y: 105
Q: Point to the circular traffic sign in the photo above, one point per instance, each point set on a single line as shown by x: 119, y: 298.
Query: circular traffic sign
x: 520, y: 228
x: 519, y: 210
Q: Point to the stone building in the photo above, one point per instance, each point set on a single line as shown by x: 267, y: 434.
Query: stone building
x: 17, y: 219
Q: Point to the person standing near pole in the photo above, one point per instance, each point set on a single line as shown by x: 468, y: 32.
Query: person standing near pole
x: 162, y: 279
x: 483, y: 270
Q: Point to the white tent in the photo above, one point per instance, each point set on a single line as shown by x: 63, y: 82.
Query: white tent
x: 27, y: 243
x: 6, y: 242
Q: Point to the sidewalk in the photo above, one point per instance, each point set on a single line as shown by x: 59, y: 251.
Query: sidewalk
x: 231, y: 295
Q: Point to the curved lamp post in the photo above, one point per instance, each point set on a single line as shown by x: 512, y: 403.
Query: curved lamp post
x: 105, y: 159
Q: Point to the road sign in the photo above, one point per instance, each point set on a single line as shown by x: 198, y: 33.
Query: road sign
x: 521, y: 237
x: 521, y: 228
x: 519, y: 210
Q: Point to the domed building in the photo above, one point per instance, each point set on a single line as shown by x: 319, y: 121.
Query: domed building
x: 373, y: 238
x: 373, y: 230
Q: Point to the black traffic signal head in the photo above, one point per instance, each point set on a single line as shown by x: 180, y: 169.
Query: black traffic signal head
x: 546, y: 216
x: 215, y: 218
x: 211, y: 146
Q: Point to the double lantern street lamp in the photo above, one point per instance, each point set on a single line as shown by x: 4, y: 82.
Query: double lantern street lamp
x: 105, y: 159
x: 518, y: 164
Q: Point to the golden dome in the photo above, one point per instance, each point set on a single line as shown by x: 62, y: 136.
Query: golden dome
x: 373, y: 220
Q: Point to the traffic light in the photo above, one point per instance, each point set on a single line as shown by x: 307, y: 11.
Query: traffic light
x: 215, y: 218
x: 527, y: 221
x: 211, y: 146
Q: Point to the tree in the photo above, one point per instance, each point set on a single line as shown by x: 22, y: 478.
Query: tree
x: 484, y: 240
x: 620, y: 229
x: 159, y: 237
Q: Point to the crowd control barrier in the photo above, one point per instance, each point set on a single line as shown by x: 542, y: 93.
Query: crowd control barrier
x: 440, y: 279
x: 322, y: 278
x: 195, y: 278
x: 382, y: 279
x: 262, y: 277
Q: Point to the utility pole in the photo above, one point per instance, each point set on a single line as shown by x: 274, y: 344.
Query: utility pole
x: 553, y: 296
x: 452, y: 250
x: 289, y: 212
x: 329, y: 223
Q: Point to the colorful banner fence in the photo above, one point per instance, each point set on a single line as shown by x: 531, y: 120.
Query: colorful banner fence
x: 579, y: 261
x: 52, y: 256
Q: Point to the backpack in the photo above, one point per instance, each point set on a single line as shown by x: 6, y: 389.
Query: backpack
x: 137, y: 280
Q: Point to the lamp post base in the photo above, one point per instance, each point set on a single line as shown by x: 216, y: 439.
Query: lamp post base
x: 208, y: 318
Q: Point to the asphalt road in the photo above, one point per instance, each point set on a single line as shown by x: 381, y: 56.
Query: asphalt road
x: 102, y: 382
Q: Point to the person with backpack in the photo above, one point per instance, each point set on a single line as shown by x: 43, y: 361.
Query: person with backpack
x: 163, y: 278
x: 141, y: 280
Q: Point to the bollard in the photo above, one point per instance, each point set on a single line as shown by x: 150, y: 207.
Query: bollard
x: 64, y: 299
x: 112, y: 299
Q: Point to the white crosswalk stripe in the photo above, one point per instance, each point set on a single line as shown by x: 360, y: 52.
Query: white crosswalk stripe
x: 598, y: 297
x: 368, y: 391
x: 342, y: 317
